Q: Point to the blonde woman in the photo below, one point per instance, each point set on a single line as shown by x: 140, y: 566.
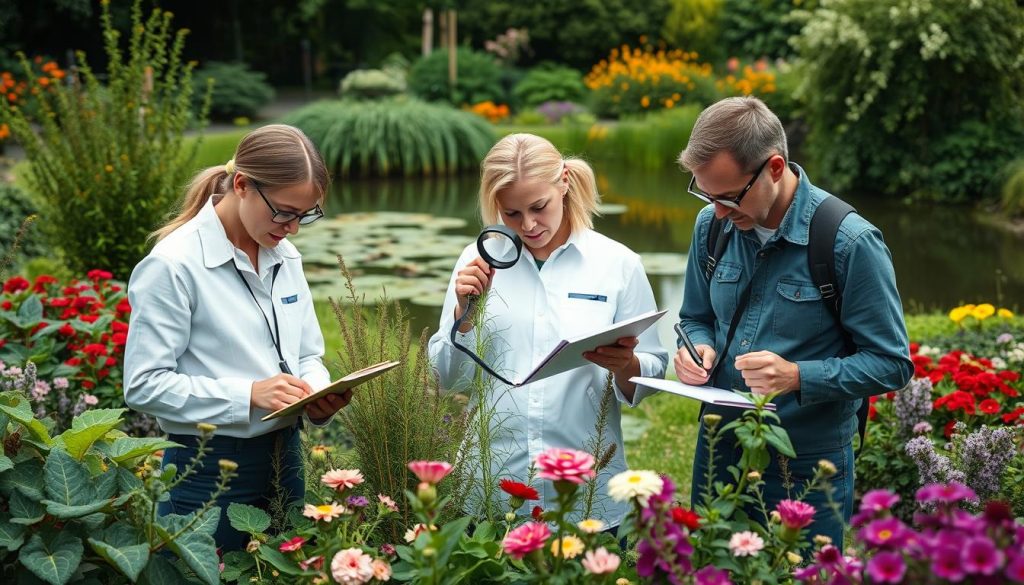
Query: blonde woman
x: 223, y: 329
x: 570, y: 280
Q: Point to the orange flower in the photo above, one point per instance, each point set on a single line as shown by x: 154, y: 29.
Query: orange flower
x: 4, y: 131
x: 44, y: 81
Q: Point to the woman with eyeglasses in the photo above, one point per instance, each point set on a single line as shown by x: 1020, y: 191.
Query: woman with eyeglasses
x: 223, y: 329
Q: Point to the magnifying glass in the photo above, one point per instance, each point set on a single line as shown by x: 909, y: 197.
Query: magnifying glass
x: 500, y: 247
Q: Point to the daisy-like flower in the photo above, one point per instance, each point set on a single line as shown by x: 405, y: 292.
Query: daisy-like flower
x: 388, y: 502
x: 590, y: 525
x: 381, y: 570
x: 342, y: 479
x: 638, y: 485
x: 292, y: 545
x: 518, y: 490
x: 600, y: 562
x: 565, y: 465
x: 569, y: 547
x: 325, y: 512
x: 352, y: 566
x: 526, y: 539
x: 745, y: 544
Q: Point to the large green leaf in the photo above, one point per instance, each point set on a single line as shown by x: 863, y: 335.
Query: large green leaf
x: 106, y: 484
x: 25, y: 510
x: 98, y: 416
x: 78, y: 441
x: 30, y: 313
x: 26, y: 477
x: 130, y: 560
x: 12, y: 536
x: 54, y: 561
x: 127, y: 448
x: 777, y: 437
x: 195, y: 547
x: 22, y: 414
x: 127, y: 481
x: 5, y: 461
x: 246, y: 518
x: 236, y: 562
x: 160, y: 571
x: 67, y: 481
x: 280, y: 562
x: 66, y: 512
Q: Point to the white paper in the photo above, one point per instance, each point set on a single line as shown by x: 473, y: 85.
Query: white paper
x: 708, y: 394
x: 337, y: 387
x: 568, y: 354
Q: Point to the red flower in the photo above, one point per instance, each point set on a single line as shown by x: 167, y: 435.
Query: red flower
x: 123, y: 306
x: 95, y: 349
x: 68, y: 314
x: 6, y: 305
x: 3, y: 342
x: 1016, y: 414
x: 102, y: 374
x: 687, y: 518
x: 41, y: 281
x: 60, y: 302
x: 16, y: 284
x: 88, y: 385
x: 948, y: 429
x: 914, y: 347
x: 292, y: 545
x: 989, y: 406
x: 872, y: 412
x: 111, y: 361
x: 73, y: 361
x: 66, y: 330
x: 119, y: 327
x: 97, y: 275
x: 537, y: 513
x: 118, y: 338
x: 89, y: 318
x: 518, y: 490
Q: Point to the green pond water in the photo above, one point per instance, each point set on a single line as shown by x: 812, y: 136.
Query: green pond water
x: 403, y: 236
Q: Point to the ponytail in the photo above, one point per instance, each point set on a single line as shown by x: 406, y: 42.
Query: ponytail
x: 203, y: 185
x: 582, y: 198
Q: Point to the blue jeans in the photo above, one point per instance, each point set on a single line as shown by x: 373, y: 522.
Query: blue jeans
x: 780, y: 486
x: 255, y: 484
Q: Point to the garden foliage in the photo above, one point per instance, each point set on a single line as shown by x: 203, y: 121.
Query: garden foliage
x: 238, y: 91
x: 108, y: 161
x: 478, y: 79
x: 372, y: 84
x: 551, y: 83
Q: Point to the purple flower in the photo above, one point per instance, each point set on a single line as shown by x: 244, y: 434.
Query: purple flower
x: 1015, y: 568
x: 922, y: 428
x: 829, y: 556
x: 1004, y: 338
x: 794, y: 514
x: 981, y: 556
x: 709, y: 575
x: 887, y: 532
x: 886, y: 567
x: 946, y: 564
x: 358, y: 501
x: 951, y: 493
x: 878, y: 500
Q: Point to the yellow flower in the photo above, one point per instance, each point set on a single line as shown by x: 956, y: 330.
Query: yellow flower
x: 571, y: 547
x: 959, y: 314
x: 1005, y: 313
x: 645, y: 101
x: 983, y: 311
x: 590, y: 525
x: 109, y: 168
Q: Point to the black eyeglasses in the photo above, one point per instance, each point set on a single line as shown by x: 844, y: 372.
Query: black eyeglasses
x: 283, y: 217
x: 732, y: 202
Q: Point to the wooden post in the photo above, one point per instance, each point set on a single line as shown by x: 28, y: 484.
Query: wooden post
x: 453, y: 68
x: 428, y: 31
x: 442, y: 30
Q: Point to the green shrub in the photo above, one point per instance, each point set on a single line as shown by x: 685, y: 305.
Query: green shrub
x: 913, y: 99
x: 371, y: 84
x: 17, y: 207
x: 695, y: 25
x: 530, y: 118
x: 397, y: 136
x: 478, y: 79
x: 759, y: 28
x: 548, y: 84
x: 108, y: 161
x: 237, y: 90
x: 1013, y: 188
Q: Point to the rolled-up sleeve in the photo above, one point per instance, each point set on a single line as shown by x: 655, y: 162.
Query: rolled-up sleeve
x: 158, y: 334
x: 873, y: 316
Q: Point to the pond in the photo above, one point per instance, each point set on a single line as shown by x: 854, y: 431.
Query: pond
x: 405, y: 235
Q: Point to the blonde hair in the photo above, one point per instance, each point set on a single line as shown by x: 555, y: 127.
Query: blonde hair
x: 742, y: 126
x: 526, y: 157
x: 274, y: 155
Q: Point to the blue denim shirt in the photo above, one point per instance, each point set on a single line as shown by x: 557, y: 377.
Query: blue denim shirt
x: 787, y: 316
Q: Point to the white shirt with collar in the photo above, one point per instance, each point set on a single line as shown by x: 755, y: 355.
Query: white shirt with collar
x: 196, y: 339
x: 528, y: 312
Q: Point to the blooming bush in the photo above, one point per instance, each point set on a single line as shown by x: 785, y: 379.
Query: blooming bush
x: 74, y: 334
x: 490, y: 110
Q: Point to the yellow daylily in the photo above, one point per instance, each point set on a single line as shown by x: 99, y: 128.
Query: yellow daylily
x: 983, y: 311
x: 959, y: 314
x: 1005, y: 313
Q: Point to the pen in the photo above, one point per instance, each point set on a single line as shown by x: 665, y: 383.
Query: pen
x: 689, y: 345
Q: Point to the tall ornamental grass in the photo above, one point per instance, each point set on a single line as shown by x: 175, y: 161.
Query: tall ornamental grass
x: 106, y: 158
x: 394, y: 137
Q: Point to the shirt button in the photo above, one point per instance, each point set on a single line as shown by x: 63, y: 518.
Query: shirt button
x: 745, y: 342
x: 760, y: 254
x: 797, y: 294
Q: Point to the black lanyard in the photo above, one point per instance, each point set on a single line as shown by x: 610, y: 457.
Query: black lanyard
x: 466, y: 350
x: 275, y: 333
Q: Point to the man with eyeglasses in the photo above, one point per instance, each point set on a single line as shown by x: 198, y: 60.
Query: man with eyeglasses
x: 760, y: 323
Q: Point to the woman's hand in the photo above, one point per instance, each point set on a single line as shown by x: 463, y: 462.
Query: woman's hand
x: 474, y: 279
x: 320, y: 410
x: 617, y: 358
x: 278, y: 392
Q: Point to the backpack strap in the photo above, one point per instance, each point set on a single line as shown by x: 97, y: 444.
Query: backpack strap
x: 718, y: 239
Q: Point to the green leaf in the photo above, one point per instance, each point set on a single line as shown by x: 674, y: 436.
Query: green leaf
x: 127, y: 448
x: 5, y: 461
x: 160, y: 571
x: 78, y: 441
x: 108, y: 417
x: 246, y: 518
x: 22, y: 414
x: 67, y: 481
x: 279, y: 561
x: 236, y: 562
x: 55, y: 561
x: 12, y: 535
x: 778, y: 438
x: 130, y: 560
x: 66, y: 512
x: 195, y: 547
x: 30, y: 313
x: 26, y: 477
x: 127, y: 481
x: 106, y: 484
x: 25, y: 510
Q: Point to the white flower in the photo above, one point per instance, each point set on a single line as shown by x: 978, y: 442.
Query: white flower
x: 635, y: 484
x: 746, y: 543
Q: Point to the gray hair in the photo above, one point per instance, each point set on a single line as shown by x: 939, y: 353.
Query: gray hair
x: 742, y: 126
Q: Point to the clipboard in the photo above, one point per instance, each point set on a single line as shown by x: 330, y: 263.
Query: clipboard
x: 708, y: 394
x: 568, y: 354
x: 350, y: 381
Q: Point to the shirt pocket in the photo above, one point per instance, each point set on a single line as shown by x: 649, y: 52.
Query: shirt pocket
x: 580, y: 316
x: 291, y: 312
x: 797, y: 310
x: 725, y: 289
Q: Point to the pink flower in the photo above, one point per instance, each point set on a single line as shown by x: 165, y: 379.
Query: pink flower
x: 325, y: 512
x: 430, y: 471
x: 565, y: 465
x: 981, y: 556
x: 381, y: 570
x: 888, y: 532
x: 887, y: 567
x: 600, y: 562
x: 745, y: 544
x: 90, y: 400
x: 878, y: 500
x: 292, y: 545
x: 794, y: 514
x: 342, y: 479
x: 352, y: 566
x: 951, y: 493
x: 388, y: 502
x: 526, y: 539
x: 315, y: 562
x: 709, y: 575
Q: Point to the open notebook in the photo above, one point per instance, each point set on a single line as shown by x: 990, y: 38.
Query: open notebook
x: 354, y: 379
x: 568, y: 354
x: 703, y: 393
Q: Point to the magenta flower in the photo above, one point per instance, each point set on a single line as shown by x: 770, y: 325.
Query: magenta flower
x: 709, y: 575
x: 565, y: 465
x: 886, y: 567
x: 886, y: 532
x: 946, y: 564
x: 1015, y: 568
x: 795, y: 515
x: 981, y: 556
x: 829, y: 556
x: 526, y: 539
x: 878, y: 500
x: 950, y: 493
x: 430, y: 471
